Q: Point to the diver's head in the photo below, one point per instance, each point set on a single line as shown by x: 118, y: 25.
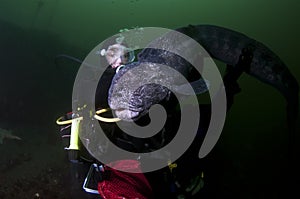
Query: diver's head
x: 118, y: 54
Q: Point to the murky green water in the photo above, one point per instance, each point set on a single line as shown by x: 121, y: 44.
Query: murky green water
x: 33, y: 32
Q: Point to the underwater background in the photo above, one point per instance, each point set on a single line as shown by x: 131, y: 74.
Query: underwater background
x: 249, y: 159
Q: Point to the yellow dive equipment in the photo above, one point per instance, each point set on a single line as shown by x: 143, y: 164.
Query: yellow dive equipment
x: 103, y: 119
x: 73, y: 149
x: 74, y: 134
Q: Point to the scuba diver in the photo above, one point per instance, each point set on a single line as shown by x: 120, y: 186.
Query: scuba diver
x: 91, y: 176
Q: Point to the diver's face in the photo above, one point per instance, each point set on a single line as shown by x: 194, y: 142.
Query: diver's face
x: 114, y: 55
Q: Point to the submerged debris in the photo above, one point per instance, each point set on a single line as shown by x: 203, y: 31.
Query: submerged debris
x: 5, y: 134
